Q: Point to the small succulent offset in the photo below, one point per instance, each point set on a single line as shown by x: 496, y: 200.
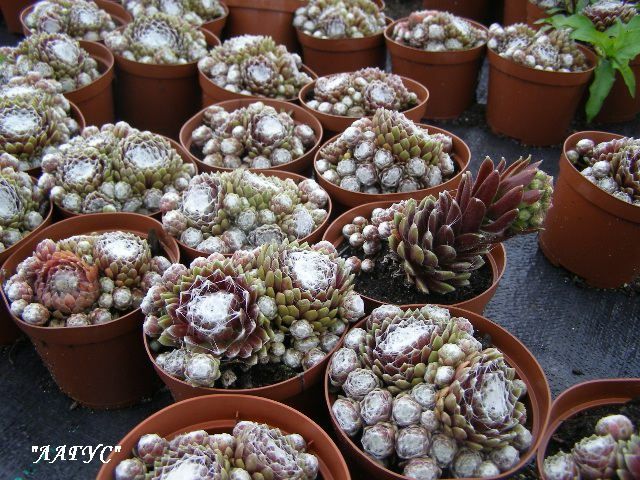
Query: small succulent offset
x: 255, y: 136
x: 604, y: 13
x: 53, y: 56
x: 255, y: 65
x: 421, y: 396
x: 437, y: 243
x: 84, y: 279
x: 81, y: 19
x: 553, y: 51
x: 361, y: 93
x: 385, y: 154
x: 340, y: 18
x: 284, y: 304
x: 613, y: 451
x: 227, y: 211
x: 253, y: 451
x: 614, y: 166
x: 437, y: 31
x: 159, y: 39
x: 196, y: 12
x: 114, y: 169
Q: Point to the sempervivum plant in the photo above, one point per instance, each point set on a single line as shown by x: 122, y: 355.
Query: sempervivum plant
x: 81, y: 19
x: 419, y: 394
x: 552, y: 51
x: 115, y: 168
x: 280, y: 307
x: 437, y: 243
x: 255, y: 65
x: 84, y: 279
x: 227, y: 211
x: 604, y: 13
x: 253, y: 451
x: 54, y: 56
x: 159, y: 39
x: 436, y: 31
x: 386, y: 153
x: 195, y: 12
x: 613, y: 166
x: 360, y: 93
x: 340, y: 18
x: 255, y: 136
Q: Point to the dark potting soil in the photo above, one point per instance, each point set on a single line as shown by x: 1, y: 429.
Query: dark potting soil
x: 386, y: 285
x: 263, y: 375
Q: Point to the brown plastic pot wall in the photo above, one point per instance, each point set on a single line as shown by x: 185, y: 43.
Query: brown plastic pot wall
x: 216, y: 25
x: 538, y: 401
x: 159, y: 98
x: 450, y: 77
x: 461, y: 155
x: 11, y: 13
x: 588, y: 231
x: 581, y: 397
x: 620, y: 106
x: 476, y: 9
x: 515, y: 11
x: 334, y: 124
x: 535, y: 13
x: 99, y: 366
x: 220, y: 413
x: 533, y: 106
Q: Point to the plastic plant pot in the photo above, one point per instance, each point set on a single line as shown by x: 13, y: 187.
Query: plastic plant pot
x: 477, y: 10
x: 11, y: 13
x: 534, y: 14
x: 100, y: 366
x: 300, y: 115
x: 588, y: 231
x: 496, y: 259
x: 220, y: 413
x: 515, y: 11
x: 216, y: 25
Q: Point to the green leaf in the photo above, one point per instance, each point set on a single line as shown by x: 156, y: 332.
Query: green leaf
x: 627, y: 75
x: 600, y: 87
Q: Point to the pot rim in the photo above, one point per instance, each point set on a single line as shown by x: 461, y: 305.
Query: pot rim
x: 217, y: 20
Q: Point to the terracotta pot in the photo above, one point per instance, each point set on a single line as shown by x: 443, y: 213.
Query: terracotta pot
x: 535, y: 13
x: 515, y: 11
x: 191, y: 253
x: 220, y: 413
x: 451, y: 77
x: 533, y: 106
x: 497, y: 260
x: 334, y: 124
x: 216, y: 25
x: 300, y: 115
x: 461, y: 155
x: 159, y: 98
x: 212, y: 93
x: 476, y: 9
x: 538, y: 400
x: 99, y: 366
x: 581, y: 397
x: 588, y: 231
x: 620, y: 106
x: 11, y: 13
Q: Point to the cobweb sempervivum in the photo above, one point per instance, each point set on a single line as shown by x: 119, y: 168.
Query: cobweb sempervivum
x: 196, y: 12
x: 604, y: 13
x: 437, y: 243
x: 81, y: 19
x: 360, y: 93
x: 253, y: 451
x: 419, y: 394
x: 613, y: 451
x: 340, y: 18
x: 280, y: 305
x: 226, y: 211
x: 159, y: 39
x: 614, y: 166
x: 385, y: 154
x: 436, y: 31
x: 53, y: 56
x: 115, y: 168
x: 84, y: 279
x: 255, y: 136
x: 553, y: 51
x: 255, y: 65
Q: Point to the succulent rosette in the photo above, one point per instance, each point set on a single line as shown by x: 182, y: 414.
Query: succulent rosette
x: 420, y: 395
x: 81, y: 19
x: 340, y: 19
x: 255, y: 136
x: 158, y: 39
x: 255, y: 65
x: 437, y: 31
x: 604, y: 13
x: 361, y: 93
x: 83, y: 280
x: 387, y: 153
x: 227, y: 211
x: 252, y: 451
x: 279, y: 306
x: 116, y: 168
x: 196, y: 12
